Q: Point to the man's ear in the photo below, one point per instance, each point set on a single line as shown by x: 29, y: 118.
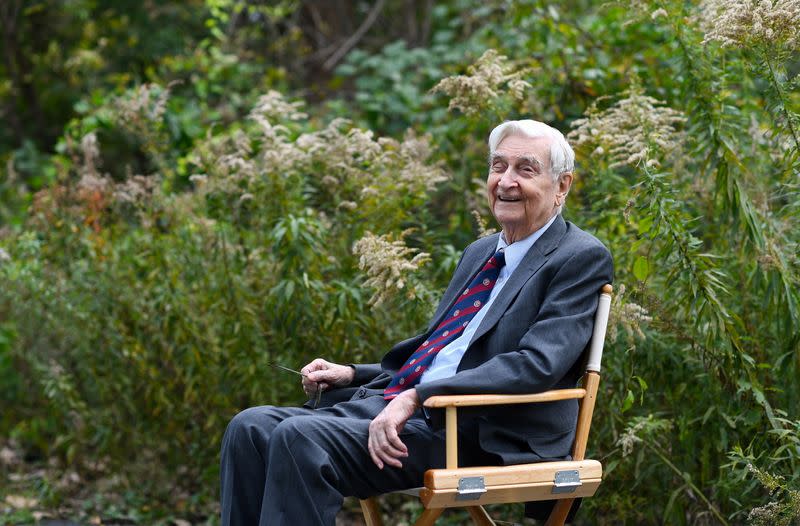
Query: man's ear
x: 564, y: 184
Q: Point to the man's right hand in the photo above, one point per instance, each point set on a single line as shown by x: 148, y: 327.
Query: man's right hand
x: 322, y: 374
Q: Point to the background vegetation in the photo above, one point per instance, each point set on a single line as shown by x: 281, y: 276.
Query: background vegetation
x: 191, y: 191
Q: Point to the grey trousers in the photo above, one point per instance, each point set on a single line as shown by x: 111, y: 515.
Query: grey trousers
x: 294, y: 466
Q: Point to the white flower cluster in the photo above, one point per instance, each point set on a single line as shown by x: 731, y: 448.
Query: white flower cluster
x: 277, y: 149
x: 231, y: 159
x: 343, y: 150
x: 780, y: 512
x: 136, y: 189
x: 627, y: 314
x: 769, y: 514
x: 632, y: 131
x: 227, y: 160
x: 272, y: 106
x: 483, y: 228
x: 640, y: 427
x: 658, y: 13
x: 90, y: 149
x: 742, y: 23
x: 239, y: 162
x: 143, y: 108
x: 630, y: 438
x: 483, y: 83
x: 386, y: 261
x: 409, y: 158
x: 355, y: 155
x: 351, y: 162
x: 92, y: 184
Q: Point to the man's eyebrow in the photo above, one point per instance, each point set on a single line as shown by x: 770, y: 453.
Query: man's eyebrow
x: 495, y: 157
x: 530, y: 159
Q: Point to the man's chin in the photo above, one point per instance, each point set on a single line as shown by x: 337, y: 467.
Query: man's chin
x: 508, y: 219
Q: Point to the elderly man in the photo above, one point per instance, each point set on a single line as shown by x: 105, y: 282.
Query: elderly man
x: 515, y: 318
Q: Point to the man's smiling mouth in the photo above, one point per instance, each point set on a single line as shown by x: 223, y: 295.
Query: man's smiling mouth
x: 508, y: 199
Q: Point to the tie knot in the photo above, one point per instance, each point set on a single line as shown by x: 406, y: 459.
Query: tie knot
x: 499, y: 258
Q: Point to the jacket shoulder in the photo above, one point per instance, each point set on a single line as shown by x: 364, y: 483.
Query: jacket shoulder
x: 577, y: 237
x: 482, y: 244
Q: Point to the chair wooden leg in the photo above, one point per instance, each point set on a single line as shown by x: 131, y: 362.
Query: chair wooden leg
x: 479, y: 516
x: 428, y: 517
x: 559, y: 514
x: 371, y: 511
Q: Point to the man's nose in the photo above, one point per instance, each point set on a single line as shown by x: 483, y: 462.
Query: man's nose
x: 508, y: 179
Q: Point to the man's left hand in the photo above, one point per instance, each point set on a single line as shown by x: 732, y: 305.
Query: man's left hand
x: 385, y: 446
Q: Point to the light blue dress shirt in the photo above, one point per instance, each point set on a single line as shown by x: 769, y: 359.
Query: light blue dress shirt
x: 446, y: 361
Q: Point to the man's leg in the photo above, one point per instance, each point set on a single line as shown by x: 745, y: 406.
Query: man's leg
x: 243, y: 461
x: 315, y: 460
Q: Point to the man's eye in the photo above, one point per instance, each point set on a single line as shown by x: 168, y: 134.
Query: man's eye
x: 498, y: 167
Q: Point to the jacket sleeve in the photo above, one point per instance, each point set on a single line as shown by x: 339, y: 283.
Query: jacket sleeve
x: 364, y: 372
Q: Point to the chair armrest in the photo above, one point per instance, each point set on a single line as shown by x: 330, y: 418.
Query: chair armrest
x: 498, y: 399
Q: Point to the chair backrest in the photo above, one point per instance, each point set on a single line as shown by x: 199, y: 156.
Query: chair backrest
x: 599, y: 331
x: 591, y: 380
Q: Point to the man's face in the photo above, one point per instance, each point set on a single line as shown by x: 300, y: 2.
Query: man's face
x: 522, y: 194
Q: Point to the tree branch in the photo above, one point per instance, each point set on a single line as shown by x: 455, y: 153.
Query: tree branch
x: 355, y: 37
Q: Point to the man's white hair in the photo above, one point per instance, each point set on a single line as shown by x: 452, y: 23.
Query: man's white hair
x: 562, y: 158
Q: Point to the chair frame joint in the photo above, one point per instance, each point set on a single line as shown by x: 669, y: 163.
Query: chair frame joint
x: 470, y: 488
x: 566, y: 481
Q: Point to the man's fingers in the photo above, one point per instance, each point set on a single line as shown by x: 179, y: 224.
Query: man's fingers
x: 320, y: 376
x: 391, y: 449
x: 393, y: 442
x: 316, y: 365
x: 381, y: 457
x: 385, y: 447
x: 309, y: 387
x: 373, y: 452
x: 390, y: 459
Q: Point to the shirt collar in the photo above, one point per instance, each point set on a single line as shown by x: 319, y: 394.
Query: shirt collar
x: 516, y: 251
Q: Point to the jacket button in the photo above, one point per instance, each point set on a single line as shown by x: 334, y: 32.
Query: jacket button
x: 362, y: 393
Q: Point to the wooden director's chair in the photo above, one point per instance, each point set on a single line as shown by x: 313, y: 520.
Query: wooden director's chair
x: 472, y: 487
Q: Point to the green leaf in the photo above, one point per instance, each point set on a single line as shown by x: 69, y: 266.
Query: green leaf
x: 645, y: 225
x: 641, y: 268
x: 628, y: 402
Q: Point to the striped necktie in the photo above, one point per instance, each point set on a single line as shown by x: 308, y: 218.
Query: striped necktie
x: 470, y: 301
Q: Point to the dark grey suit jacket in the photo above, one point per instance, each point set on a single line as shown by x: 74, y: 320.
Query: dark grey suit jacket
x: 531, y: 340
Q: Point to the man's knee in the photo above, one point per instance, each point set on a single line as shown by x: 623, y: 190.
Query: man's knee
x: 305, y: 447
x: 247, y: 426
x: 286, y: 433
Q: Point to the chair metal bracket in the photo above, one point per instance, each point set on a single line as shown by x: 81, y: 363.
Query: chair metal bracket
x: 566, y: 481
x: 470, y: 488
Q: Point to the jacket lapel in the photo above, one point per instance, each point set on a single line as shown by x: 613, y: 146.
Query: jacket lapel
x: 537, y: 256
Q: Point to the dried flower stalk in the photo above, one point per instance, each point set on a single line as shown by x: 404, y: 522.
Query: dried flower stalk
x: 744, y: 23
x: 386, y: 262
x: 632, y: 131
x: 483, y: 83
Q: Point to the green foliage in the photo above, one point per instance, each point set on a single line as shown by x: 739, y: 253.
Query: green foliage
x: 193, y: 226
x: 162, y: 312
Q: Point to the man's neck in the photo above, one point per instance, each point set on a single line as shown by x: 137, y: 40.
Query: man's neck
x: 509, y: 238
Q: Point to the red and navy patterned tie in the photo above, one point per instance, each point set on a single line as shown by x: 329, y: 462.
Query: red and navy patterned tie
x: 468, y: 304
